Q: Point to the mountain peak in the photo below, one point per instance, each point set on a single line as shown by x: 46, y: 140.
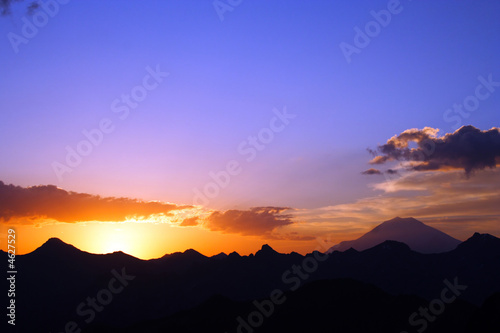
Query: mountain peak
x: 266, y: 247
x: 234, y: 254
x: 481, y: 242
x: 401, y: 220
x: 56, y: 247
x: 351, y: 251
x: 219, y: 256
x: 417, y: 235
x: 390, y: 245
x: 266, y: 251
x: 477, y: 237
x: 189, y: 253
x: 192, y: 252
x: 54, y: 241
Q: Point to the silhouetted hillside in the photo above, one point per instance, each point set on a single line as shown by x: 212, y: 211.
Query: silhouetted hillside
x: 57, y: 280
x: 342, y: 305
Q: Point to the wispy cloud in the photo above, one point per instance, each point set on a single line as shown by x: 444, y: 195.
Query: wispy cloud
x: 454, y: 203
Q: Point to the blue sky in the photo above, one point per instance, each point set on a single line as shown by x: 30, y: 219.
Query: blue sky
x: 225, y: 79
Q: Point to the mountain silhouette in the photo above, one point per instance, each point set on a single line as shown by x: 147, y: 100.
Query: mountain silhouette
x: 57, y: 277
x: 56, y: 247
x: 267, y: 252
x: 189, y: 254
x: 417, y: 235
x: 480, y: 243
x: 339, y: 305
x: 221, y: 255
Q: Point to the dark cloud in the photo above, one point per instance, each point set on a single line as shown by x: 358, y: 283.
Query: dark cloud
x: 392, y: 171
x: 467, y: 148
x: 5, y: 6
x: 255, y: 221
x: 190, y: 222
x: 33, y: 7
x: 371, y: 172
x: 51, y: 202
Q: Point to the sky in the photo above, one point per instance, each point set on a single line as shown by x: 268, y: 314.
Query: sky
x: 157, y: 126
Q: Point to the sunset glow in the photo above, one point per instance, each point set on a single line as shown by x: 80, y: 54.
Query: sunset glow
x: 250, y: 166
x: 205, y: 130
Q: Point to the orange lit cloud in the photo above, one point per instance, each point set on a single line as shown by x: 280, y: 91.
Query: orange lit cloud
x: 190, y: 222
x: 48, y: 203
x: 255, y: 221
x: 52, y: 203
x: 371, y: 171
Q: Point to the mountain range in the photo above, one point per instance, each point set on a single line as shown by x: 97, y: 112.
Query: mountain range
x: 377, y: 289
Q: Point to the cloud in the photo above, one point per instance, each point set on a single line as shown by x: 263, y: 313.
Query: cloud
x: 51, y: 202
x: 379, y: 159
x: 33, y: 7
x: 467, y: 148
x: 190, y: 222
x: 5, y: 6
x: 255, y: 221
x: 371, y: 171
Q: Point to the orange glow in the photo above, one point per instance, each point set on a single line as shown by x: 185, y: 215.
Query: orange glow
x: 143, y: 240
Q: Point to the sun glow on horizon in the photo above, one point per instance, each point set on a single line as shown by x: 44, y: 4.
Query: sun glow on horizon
x: 144, y: 240
x: 118, y: 241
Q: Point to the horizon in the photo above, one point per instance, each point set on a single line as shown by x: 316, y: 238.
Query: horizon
x: 325, y: 247
x: 221, y: 126
x: 213, y: 255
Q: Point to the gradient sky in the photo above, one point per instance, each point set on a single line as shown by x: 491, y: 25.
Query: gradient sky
x: 226, y: 81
